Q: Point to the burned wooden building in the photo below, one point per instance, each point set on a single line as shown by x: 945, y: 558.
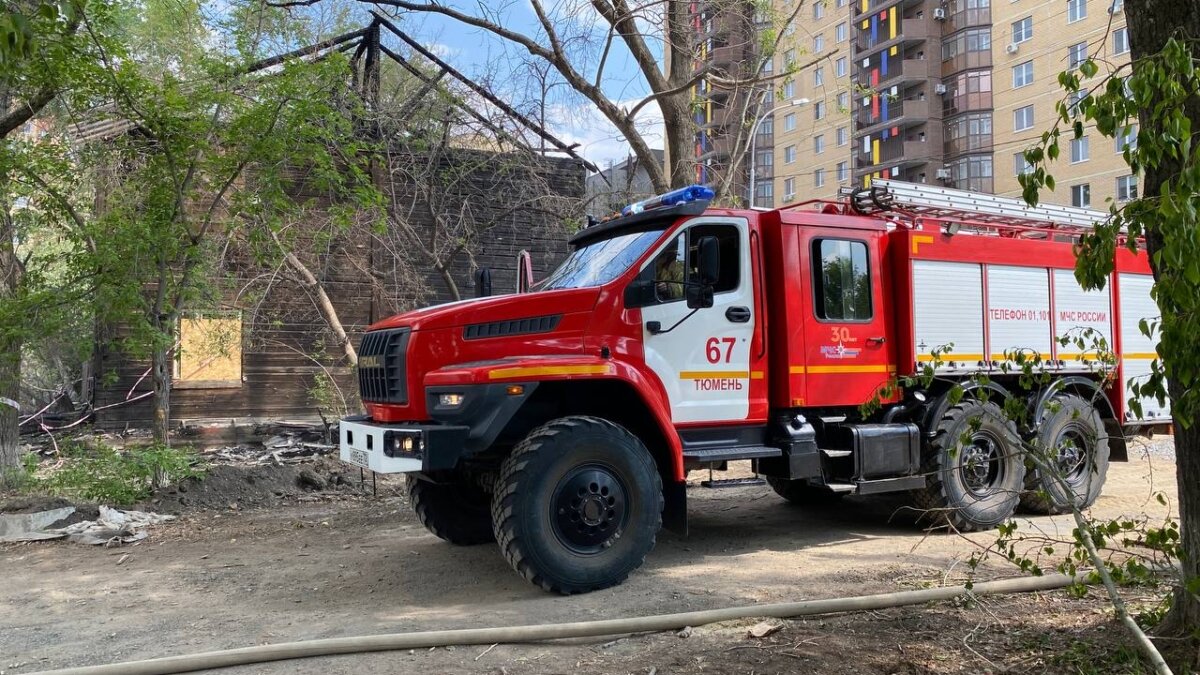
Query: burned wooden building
x: 480, y: 199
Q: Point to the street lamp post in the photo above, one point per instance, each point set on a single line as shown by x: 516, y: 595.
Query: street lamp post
x: 754, y: 141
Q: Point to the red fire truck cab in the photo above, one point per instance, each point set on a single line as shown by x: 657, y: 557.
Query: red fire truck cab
x: 561, y: 422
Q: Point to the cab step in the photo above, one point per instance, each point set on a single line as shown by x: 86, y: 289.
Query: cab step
x: 714, y: 455
x: 732, y: 482
x: 835, y: 454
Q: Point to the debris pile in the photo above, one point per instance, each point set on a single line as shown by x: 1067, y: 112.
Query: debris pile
x: 292, y: 447
x: 112, y: 527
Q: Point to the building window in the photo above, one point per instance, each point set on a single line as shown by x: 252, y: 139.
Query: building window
x: 764, y: 194
x: 818, y: 144
x: 818, y: 44
x: 973, y: 172
x: 819, y: 9
x: 1021, y: 165
x: 1079, y: 150
x: 818, y: 76
x: 843, y: 136
x: 789, y: 154
x: 766, y: 130
x: 973, y: 40
x: 1074, y: 99
x: 1022, y: 30
x: 842, y: 3
x: 969, y: 90
x: 1120, y: 41
x: 789, y: 122
x: 840, y: 32
x: 1127, y: 188
x: 789, y: 190
x: 1081, y: 195
x: 210, y: 352
x: 841, y: 280
x: 843, y: 172
x: 965, y: 133
x: 1116, y: 6
x: 789, y: 58
x: 1023, y: 118
x: 1076, y: 54
x: 819, y: 178
x: 765, y: 159
x: 1076, y: 10
x: 843, y: 101
x: 1128, y: 139
x: 1023, y: 75
x: 819, y: 110
x: 789, y: 90
x: 839, y: 67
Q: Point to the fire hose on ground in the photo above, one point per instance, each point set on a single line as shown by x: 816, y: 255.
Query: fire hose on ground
x: 584, y: 629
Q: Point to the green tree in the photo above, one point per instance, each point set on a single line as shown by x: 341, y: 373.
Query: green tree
x: 1159, y: 102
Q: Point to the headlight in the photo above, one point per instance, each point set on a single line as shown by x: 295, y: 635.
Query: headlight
x: 450, y: 400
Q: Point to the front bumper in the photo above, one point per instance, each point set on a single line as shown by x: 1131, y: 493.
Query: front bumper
x: 399, y: 448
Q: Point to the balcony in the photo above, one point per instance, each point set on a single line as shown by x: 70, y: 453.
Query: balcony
x: 905, y: 113
x: 877, y: 5
x: 908, y: 70
x: 899, y: 153
x: 911, y: 30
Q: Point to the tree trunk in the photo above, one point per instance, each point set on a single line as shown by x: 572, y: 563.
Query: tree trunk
x: 161, y: 362
x: 10, y: 385
x: 1151, y: 24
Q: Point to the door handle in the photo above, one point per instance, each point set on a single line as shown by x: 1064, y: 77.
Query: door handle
x: 876, y: 340
x: 738, y: 314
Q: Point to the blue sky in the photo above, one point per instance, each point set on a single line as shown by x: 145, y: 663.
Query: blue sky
x: 477, y: 52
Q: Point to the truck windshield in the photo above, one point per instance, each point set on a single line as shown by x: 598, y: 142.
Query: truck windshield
x: 600, y: 262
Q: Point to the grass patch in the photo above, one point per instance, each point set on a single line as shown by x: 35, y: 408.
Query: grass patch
x: 110, y: 476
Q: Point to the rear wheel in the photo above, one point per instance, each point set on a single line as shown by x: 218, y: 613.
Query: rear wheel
x: 802, y: 492
x: 578, y: 505
x: 1072, y: 435
x: 974, y: 468
x: 457, y: 512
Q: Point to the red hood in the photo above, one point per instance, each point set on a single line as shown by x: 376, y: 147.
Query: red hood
x: 495, y: 308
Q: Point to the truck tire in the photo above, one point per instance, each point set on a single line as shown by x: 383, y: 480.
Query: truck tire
x: 974, y: 468
x: 802, y: 492
x: 578, y: 505
x: 1073, y: 431
x: 456, y: 512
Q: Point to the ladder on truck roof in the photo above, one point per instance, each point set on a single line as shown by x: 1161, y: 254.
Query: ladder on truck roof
x: 971, y: 208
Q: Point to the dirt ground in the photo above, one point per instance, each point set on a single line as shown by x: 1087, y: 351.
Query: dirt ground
x: 334, y: 560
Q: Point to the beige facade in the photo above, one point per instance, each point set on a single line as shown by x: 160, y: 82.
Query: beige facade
x: 1027, y: 64
x: 812, y: 141
x: 945, y: 92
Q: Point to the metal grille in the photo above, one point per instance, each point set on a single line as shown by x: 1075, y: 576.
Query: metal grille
x: 382, y: 375
x: 537, y: 324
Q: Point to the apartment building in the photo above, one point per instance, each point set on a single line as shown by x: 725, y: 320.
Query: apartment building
x: 945, y: 92
x: 1035, y: 40
x: 811, y: 126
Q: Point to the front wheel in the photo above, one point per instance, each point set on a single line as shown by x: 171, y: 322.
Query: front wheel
x: 456, y: 512
x: 578, y: 505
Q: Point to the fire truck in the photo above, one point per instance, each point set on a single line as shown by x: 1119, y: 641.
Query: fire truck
x: 561, y: 423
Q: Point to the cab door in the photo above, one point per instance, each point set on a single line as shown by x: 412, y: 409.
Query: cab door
x: 847, y: 354
x: 703, y: 356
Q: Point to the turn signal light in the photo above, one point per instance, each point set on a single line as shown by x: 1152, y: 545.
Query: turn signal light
x: 514, y: 389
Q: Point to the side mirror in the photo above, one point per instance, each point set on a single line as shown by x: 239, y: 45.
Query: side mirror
x: 708, y: 265
x: 640, y: 293
x: 483, y: 283
x: 699, y: 296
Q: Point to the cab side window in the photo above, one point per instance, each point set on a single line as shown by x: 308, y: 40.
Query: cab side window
x: 668, y: 271
x: 677, y: 264
x: 841, y: 280
x: 731, y: 254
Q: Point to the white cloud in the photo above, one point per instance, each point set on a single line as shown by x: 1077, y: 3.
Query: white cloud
x: 441, y: 50
x: 599, y: 141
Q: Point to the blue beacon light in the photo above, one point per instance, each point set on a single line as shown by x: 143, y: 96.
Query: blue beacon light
x: 691, y: 193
